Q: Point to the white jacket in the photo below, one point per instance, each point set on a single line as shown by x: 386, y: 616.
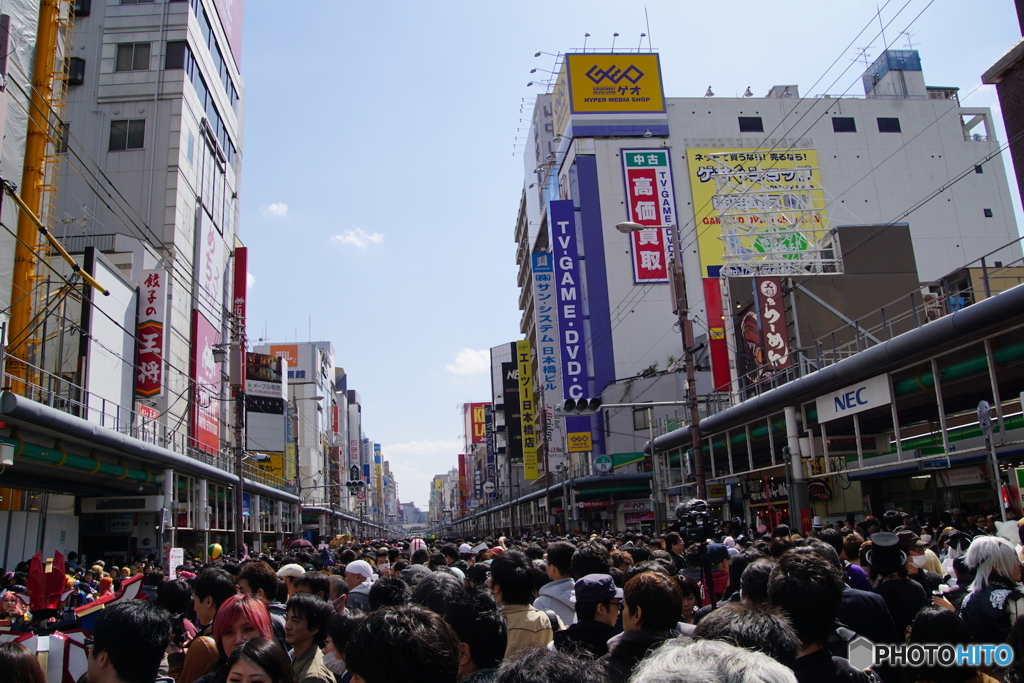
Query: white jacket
x: 558, y: 596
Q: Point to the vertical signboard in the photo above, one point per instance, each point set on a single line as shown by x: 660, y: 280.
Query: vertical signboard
x: 291, y: 431
x: 463, y: 487
x: 206, y: 394
x: 719, y: 347
x: 650, y: 200
x: 513, y: 425
x: 549, y: 379
x: 478, y: 422
x: 378, y: 472
x: 265, y: 400
x: 572, y: 345
x: 773, y: 322
x: 492, y: 452
x: 209, y: 272
x: 527, y: 410
x: 149, y: 380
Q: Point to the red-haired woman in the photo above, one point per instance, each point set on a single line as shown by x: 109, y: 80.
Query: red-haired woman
x: 239, y: 619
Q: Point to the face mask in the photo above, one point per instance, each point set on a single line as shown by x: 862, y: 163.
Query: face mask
x: 927, y: 538
x: 383, y: 567
x: 335, y: 663
x: 918, y: 560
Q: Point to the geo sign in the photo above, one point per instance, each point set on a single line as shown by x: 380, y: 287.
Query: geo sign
x: 855, y: 398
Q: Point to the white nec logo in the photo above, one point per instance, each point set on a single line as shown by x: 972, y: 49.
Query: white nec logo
x: 856, y: 398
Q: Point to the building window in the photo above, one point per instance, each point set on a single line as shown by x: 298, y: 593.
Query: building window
x: 132, y: 57
x: 63, y: 133
x: 75, y: 68
x: 988, y: 213
x: 978, y: 168
x: 174, y: 57
x: 127, y: 134
x: 641, y: 418
x: 81, y: 8
x: 888, y: 125
x: 751, y: 124
x: 844, y: 124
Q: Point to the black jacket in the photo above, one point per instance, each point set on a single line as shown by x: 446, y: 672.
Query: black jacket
x: 866, y: 614
x: 590, y: 635
x: 628, y: 650
x: 822, y: 667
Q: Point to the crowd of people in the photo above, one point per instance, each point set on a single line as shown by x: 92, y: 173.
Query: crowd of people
x: 741, y: 606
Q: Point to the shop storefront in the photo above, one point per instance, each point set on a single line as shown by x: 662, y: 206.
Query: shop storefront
x: 768, y: 502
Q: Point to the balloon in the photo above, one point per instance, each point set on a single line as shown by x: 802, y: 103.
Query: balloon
x: 215, y: 551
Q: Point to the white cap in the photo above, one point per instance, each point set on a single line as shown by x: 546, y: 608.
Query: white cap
x: 465, y: 548
x: 817, y: 523
x: 360, y: 567
x: 291, y: 570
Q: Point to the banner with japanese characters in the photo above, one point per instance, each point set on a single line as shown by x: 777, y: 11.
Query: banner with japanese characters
x: 549, y: 379
x: 650, y: 200
x: 527, y: 406
x: 771, y: 178
x: 772, y: 310
x: 150, y: 334
x: 206, y: 393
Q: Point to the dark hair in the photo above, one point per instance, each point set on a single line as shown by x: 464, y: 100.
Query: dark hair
x: 315, y: 611
x: 659, y: 598
x: 641, y: 567
x: 315, y: 581
x: 215, y: 582
x: 436, y: 590
x: 480, y: 623
x: 688, y: 586
x: 560, y: 556
x: 134, y: 634
x: 671, y: 539
x: 477, y: 574
x: 754, y: 580
x: 540, y: 665
x: 591, y: 557
x: 891, y: 519
x: 739, y: 562
x: 421, y: 556
x: 264, y: 653
x: 833, y: 538
x: 938, y: 625
x: 450, y: 550
x: 752, y: 628
x: 428, y: 646
x: 19, y: 665
x: 510, y: 571
x: 341, y: 627
x: 174, y: 596
x: 260, y: 576
x: 810, y: 590
x: 851, y: 545
x: 388, y: 592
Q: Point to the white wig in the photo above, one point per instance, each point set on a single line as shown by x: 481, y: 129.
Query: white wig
x: 987, y: 554
x: 709, y: 661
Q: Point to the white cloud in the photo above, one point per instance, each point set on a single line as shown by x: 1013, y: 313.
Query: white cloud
x: 359, y: 238
x: 250, y: 280
x: 470, y: 362
x: 277, y: 209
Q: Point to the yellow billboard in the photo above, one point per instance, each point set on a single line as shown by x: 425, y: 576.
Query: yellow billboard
x: 580, y: 442
x: 273, y: 467
x: 527, y: 409
x: 607, y: 83
x: 790, y: 170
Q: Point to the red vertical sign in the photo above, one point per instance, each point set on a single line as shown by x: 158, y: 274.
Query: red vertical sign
x: 719, y: 348
x: 772, y: 310
x: 150, y: 334
x: 648, y: 245
x: 239, y: 296
x: 206, y: 387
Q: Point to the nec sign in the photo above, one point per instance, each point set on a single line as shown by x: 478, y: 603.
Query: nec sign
x: 855, y: 398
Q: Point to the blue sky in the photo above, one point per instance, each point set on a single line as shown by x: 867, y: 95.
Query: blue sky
x: 381, y: 180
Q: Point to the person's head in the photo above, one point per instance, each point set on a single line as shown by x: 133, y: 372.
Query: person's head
x: 559, y: 560
x: 480, y: 624
x: 809, y: 589
x: 988, y: 555
x: 420, y: 556
x: 511, y: 579
x: 690, y: 592
x: 240, y: 618
x: 540, y: 665
x: 708, y: 660
x: 306, y: 621
x: 435, y: 590
x: 338, y: 596
x: 831, y: 537
x: 598, y: 599
x: 288, y: 574
x: 19, y: 665
x: 937, y: 625
x: 259, y: 660
x: 851, y: 546
x: 754, y: 581
x: 358, y: 573
x: 314, y: 583
x: 174, y: 596
x: 258, y: 579
x: 450, y: 552
x: 209, y: 591
x: 674, y: 543
x: 591, y: 557
x: 389, y: 592
x: 429, y: 648
x: 129, y: 639
x: 752, y: 628
x: 651, y: 602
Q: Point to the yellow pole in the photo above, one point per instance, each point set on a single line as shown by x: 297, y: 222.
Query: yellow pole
x: 32, y: 180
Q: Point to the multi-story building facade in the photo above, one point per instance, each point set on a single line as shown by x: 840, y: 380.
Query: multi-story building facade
x: 822, y: 180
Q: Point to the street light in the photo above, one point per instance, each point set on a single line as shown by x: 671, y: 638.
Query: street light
x: 682, y: 310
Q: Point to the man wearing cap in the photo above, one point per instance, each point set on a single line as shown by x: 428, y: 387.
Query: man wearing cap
x: 598, y: 602
x: 915, y: 548
x: 289, y: 573
x: 359, y: 577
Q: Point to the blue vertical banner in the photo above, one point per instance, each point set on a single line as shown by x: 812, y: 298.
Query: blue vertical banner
x: 572, y: 346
